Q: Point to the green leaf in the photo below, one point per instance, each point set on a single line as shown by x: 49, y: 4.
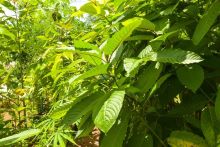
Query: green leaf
x: 159, y: 83
x: 208, y: 128
x: 116, y: 135
x: 148, y: 78
x: 109, y: 112
x: 187, y: 139
x: 217, y: 104
x: 81, y: 108
x: 117, y: 3
x: 174, y: 56
x: 206, y: 22
x: 124, y: 33
x: 5, y: 32
x: 91, y: 56
x: 85, y: 45
x: 19, y: 137
x: 85, y: 127
x: 140, y: 140
x: 100, y: 69
x: 91, y: 8
x: 140, y: 37
x: 61, y: 111
x: 144, y: 23
x: 189, y: 105
x: 191, y: 76
x: 131, y: 66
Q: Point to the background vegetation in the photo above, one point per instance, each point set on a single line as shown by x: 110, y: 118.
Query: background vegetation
x: 144, y: 72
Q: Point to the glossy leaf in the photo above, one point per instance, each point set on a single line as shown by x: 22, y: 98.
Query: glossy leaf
x: 107, y: 115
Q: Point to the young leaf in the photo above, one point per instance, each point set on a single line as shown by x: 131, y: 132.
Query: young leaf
x: 19, y: 137
x: 81, y: 108
x: 206, y: 22
x: 217, y: 104
x: 124, y: 33
x: 116, y: 135
x: 208, y: 128
x: 184, y: 138
x: 100, y: 69
x: 174, y: 56
x: 191, y: 76
x: 108, y: 113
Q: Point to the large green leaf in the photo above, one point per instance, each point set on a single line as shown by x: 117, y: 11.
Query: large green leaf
x: 109, y: 112
x: 186, y: 139
x: 6, y: 32
x: 19, y: 137
x: 174, y: 56
x: 217, y: 104
x: 191, y: 76
x: 124, y: 33
x: 207, y: 127
x: 100, y: 69
x: 81, y: 108
x: 206, y: 22
x: 116, y: 135
x: 148, y: 78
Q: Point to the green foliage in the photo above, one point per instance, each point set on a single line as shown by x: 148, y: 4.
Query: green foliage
x: 108, y: 113
x: 134, y: 70
x: 183, y: 138
x: 206, y: 22
x: 18, y: 137
x: 187, y: 76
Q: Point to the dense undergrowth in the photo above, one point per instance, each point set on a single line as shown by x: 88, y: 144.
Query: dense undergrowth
x: 144, y: 72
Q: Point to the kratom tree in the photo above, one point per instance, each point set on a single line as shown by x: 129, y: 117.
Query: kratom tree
x: 145, y: 73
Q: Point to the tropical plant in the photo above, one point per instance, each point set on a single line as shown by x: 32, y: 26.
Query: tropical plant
x: 145, y: 73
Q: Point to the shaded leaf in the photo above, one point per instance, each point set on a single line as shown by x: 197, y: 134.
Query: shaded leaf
x: 191, y: 76
x: 208, y: 128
